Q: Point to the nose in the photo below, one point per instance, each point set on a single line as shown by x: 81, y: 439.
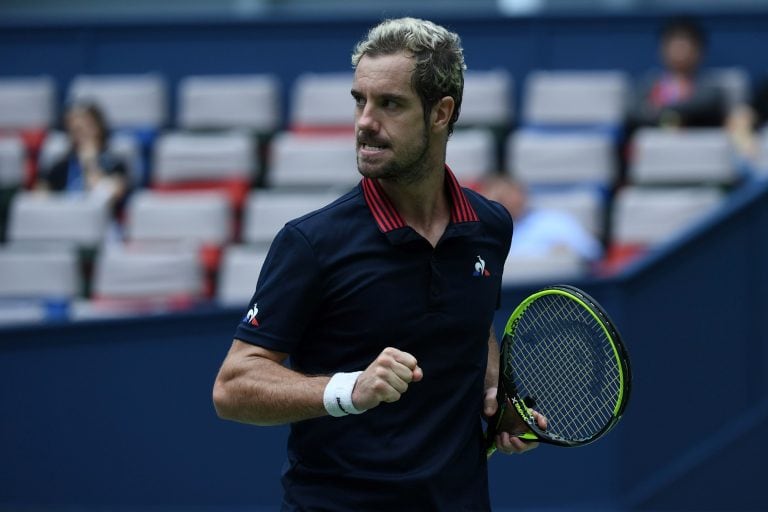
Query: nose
x: 366, y: 118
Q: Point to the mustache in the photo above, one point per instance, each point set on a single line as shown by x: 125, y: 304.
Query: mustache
x: 368, y: 140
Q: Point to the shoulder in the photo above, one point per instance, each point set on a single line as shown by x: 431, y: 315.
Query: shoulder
x: 489, y: 212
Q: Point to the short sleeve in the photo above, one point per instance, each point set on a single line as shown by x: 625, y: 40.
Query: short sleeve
x: 286, y: 294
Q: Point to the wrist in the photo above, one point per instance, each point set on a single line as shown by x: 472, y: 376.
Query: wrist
x: 337, y: 397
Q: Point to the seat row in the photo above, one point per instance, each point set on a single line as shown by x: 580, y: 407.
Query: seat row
x: 292, y: 159
x: 174, y: 240
x: 254, y: 101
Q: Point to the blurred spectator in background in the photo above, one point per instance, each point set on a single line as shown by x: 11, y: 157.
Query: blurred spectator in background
x: 743, y: 124
x: 88, y: 166
x: 538, y: 231
x: 679, y: 94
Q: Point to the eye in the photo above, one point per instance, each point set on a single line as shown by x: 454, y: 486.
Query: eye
x: 359, y: 100
x: 389, y: 104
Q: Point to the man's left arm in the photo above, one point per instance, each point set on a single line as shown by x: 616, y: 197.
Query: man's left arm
x: 505, y: 443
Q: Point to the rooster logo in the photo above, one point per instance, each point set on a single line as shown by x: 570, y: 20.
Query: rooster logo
x: 480, y: 268
x: 250, y: 317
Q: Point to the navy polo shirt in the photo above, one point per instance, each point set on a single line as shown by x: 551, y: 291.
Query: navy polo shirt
x: 338, y: 286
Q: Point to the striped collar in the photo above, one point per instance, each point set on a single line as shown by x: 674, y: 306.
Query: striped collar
x: 388, y: 218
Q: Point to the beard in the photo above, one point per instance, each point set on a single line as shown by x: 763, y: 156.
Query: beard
x: 404, y: 168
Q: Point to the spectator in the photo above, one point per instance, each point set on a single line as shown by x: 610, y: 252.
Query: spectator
x: 680, y: 94
x: 539, y: 232
x: 88, y: 166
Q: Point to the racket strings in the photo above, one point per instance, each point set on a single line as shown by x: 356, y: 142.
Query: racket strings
x: 563, y: 361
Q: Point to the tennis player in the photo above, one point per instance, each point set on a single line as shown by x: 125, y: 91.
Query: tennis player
x: 383, y: 301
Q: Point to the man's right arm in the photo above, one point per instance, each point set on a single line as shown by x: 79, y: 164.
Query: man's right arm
x: 253, y: 386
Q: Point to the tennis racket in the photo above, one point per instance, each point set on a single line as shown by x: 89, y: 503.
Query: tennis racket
x: 561, y: 356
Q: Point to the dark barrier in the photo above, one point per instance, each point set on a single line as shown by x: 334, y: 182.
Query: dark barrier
x: 117, y: 415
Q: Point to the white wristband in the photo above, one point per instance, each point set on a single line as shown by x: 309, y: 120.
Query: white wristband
x: 337, y: 396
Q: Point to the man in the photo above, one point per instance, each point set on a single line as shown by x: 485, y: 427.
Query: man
x: 384, y: 301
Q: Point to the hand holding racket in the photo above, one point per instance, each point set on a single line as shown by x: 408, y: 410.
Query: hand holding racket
x: 561, y: 357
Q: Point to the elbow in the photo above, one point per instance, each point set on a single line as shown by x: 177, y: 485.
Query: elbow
x: 222, y: 401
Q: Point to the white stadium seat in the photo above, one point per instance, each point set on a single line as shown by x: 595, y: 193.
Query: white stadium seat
x: 561, y: 266
x: 181, y: 157
x: 80, y: 219
x: 12, y: 162
x: 313, y: 161
x: 29, y: 272
x: 240, y: 268
x: 585, y: 204
x: 487, y: 100
x: 27, y: 102
x: 266, y: 211
x: 649, y: 216
x: 691, y: 156
x: 123, y: 145
x: 539, y: 158
x: 148, y: 272
x: 201, y: 217
x: 568, y: 98
x: 229, y: 101
x: 322, y: 101
x: 128, y: 100
x: 471, y: 154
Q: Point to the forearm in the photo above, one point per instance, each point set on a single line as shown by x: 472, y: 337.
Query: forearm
x: 251, y: 388
x: 492, y: 369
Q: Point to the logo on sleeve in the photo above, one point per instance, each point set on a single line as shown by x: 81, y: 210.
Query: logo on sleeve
x: 250, y: 316
x: 480, y: 270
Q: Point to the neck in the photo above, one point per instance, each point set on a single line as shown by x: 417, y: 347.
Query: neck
x: 423, y: 205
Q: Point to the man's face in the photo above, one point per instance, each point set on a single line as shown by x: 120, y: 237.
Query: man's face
x: 681, y: 54
x: 392, y: 140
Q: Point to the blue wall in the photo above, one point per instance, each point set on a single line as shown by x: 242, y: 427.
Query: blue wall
x: 118, y: 415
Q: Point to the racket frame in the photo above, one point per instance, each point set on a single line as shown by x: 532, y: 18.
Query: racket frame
x: 508, y: 395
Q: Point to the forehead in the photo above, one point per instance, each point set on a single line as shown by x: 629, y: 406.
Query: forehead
x: 384, y: 74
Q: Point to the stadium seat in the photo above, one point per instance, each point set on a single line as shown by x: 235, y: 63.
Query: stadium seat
x: 129, y: 101
x: 148, y: 275
x: 133, y: 103
x: 645, y: 217
x: 27, y: 110
x: 561, y: 266
x: 321, y: 103
x: 12, y: 162
x: 12, y: 174
x: 68, y: 218
x: 471, y: 154
x: 586, y: 204
x: 560, y: 158
x: 206, y: 161
x: 575, y: 98
x: 220, y: 102
x: 692, y: 156
x: 122, y: 144
x: 240, y: 268
x: 204, y: 219
x: 201, y: 217
x: 487, y: 100
x: 29, y: 272
x: 301, y: 160
x: 267, y: 211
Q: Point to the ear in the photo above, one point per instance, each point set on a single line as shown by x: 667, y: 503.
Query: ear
x: 442, y: 114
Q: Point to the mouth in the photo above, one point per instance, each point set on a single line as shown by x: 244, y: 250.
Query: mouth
x: 371, y: 146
